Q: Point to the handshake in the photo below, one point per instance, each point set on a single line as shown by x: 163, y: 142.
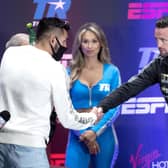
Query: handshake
x: 98, y: 111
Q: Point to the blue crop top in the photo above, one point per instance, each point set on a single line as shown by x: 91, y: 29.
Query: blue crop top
x: 84, y: 97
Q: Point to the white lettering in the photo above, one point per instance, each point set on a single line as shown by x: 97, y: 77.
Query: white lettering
x: 144, y: 105
x: 160, y: 164
x: 148, y: 53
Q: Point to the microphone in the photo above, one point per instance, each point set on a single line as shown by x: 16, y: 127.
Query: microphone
x: 4, y: 117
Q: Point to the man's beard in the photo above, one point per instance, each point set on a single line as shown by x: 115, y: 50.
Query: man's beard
x: 163, y: 54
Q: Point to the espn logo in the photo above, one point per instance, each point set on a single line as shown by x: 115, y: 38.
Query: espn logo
x: 147, y: 10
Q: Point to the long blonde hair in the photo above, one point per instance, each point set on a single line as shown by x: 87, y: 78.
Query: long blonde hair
x: 78, y: 61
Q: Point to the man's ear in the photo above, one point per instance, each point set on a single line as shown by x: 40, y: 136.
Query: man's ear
x: 52, y: 39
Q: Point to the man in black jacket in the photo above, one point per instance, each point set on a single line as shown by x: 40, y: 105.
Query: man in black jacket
x: 154, y: 72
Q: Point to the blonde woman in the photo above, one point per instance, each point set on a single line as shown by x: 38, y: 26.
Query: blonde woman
x: 93, y: 76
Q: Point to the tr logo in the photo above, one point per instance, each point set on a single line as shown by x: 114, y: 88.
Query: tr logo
x: 51, y: 8
x: 148, y: 54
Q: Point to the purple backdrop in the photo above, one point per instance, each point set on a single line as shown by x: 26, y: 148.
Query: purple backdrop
x: 142, y: 126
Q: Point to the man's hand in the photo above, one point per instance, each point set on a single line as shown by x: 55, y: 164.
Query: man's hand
x: 98, y: 111
x: 88, y: 136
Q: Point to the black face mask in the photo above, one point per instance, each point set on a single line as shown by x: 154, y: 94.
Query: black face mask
x: 57, y: 55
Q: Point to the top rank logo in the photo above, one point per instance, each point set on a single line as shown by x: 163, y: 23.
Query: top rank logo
x: 147, y: 10
x: 51, y: 8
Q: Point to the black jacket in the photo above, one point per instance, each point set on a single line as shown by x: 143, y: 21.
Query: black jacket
x: 155, y: 72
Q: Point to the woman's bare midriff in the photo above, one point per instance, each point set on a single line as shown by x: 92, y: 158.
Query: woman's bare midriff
x: 84, y: 110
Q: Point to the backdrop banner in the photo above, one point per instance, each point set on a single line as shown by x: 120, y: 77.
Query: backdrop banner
x: 142, y: 127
